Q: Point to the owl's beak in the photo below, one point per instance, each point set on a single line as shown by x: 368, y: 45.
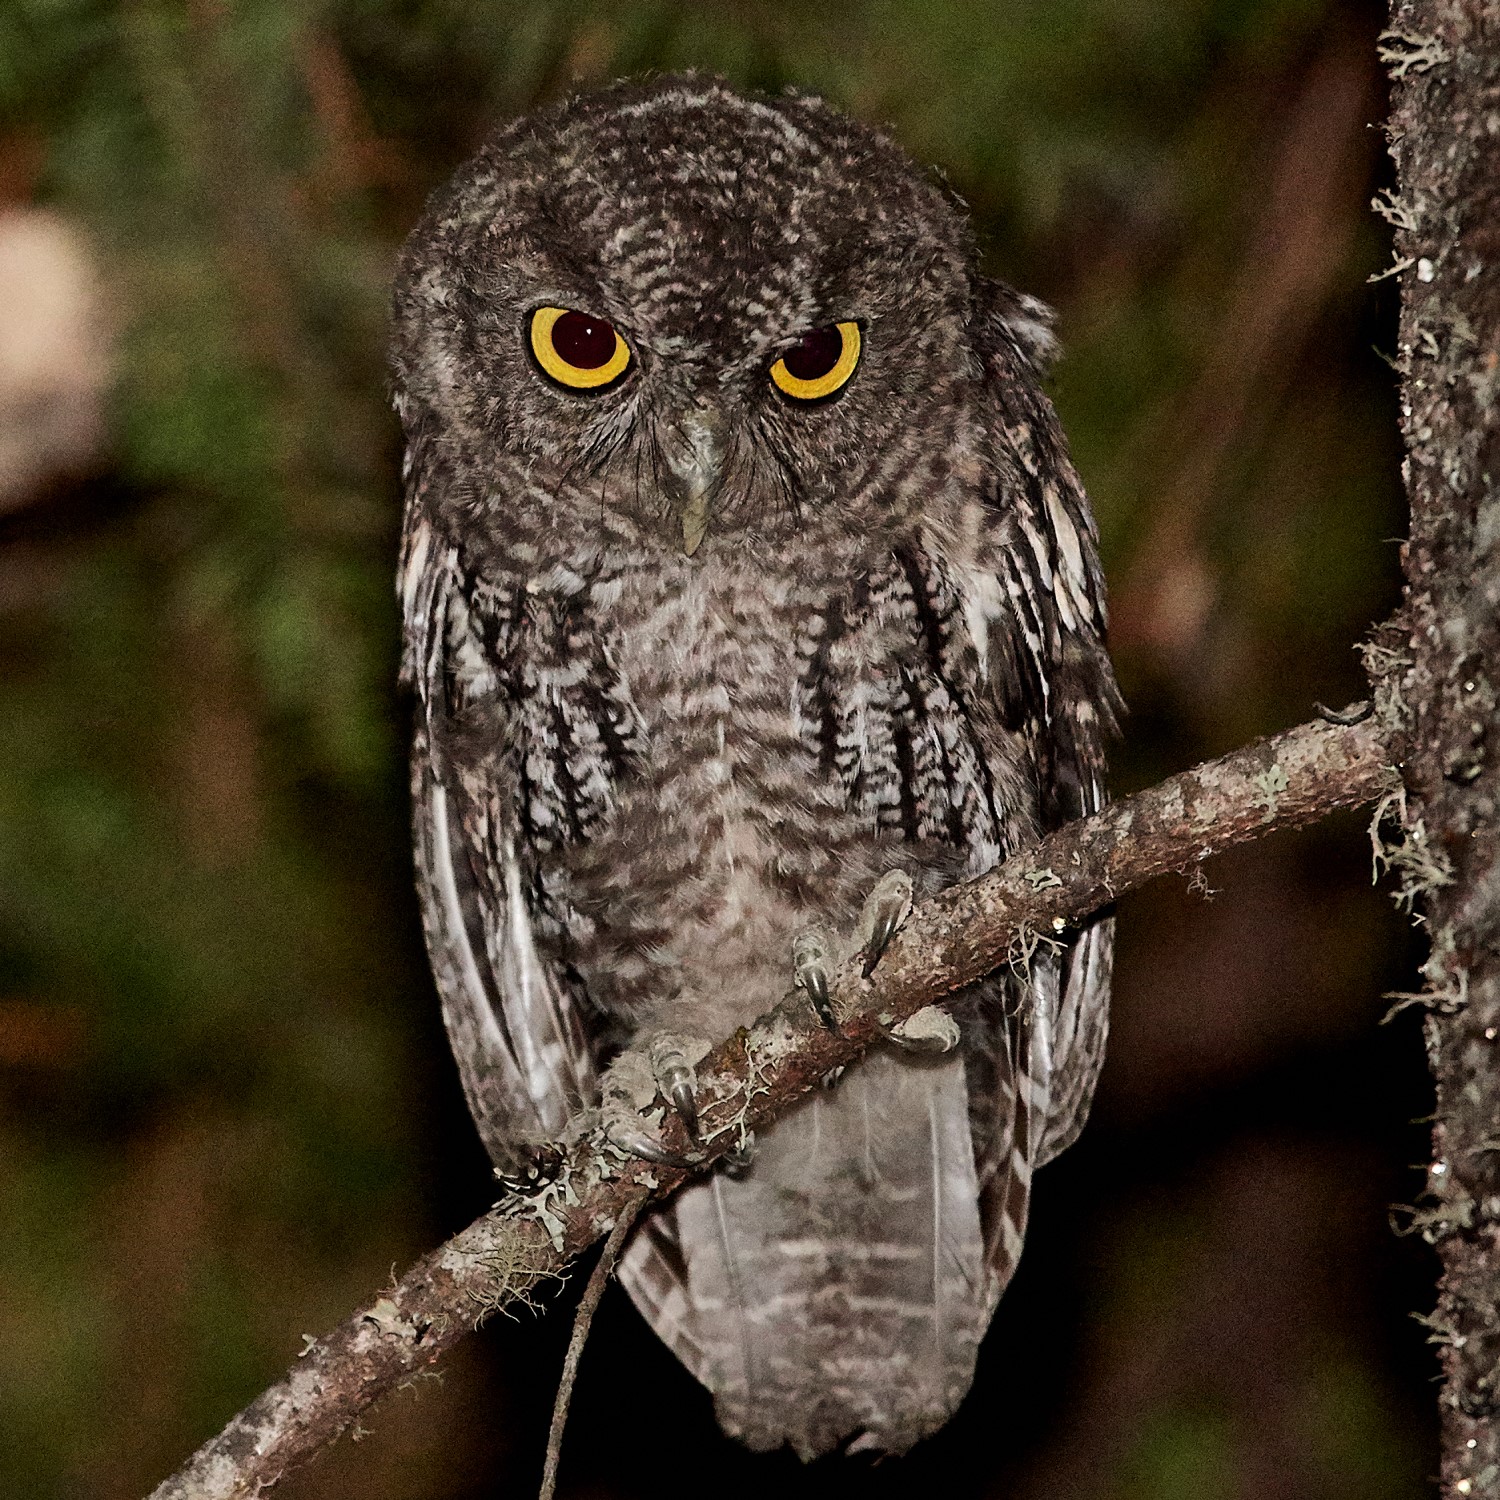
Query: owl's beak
x: 695, y: 468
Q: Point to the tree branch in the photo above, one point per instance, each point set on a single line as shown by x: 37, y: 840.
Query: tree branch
x: 948, y: 942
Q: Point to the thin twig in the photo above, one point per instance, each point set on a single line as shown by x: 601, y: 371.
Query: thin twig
x: 582, y: 1321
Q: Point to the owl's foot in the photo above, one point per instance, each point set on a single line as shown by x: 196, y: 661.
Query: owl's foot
x: 662, y: 1067
x: 885, y: 909
x: 815, y: 952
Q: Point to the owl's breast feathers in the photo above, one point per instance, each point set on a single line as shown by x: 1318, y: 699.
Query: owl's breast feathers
x: 699, y: 753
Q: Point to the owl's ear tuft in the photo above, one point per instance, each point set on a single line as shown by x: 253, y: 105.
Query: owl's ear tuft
x: 1029, y: 322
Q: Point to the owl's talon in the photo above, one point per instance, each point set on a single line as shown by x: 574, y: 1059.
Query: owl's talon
x: 812, y: 954
x: 886, y: 908
x: 632, y: 1139
x: 672, y: 1060
x: 815, y: 982
x: 681, y: 1095
x: 885, y: 930
x: 632, y: 1084
x: 930, y: 1029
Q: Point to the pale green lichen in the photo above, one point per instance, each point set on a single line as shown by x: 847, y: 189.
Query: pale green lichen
x: 1023, y: 947
x: 1419, y: 866
x: 763, y: 1047
x: 1269, y: 785
x: 1406, y: 52
x: 1388, y: 204
x: 386, y: 1316
x: 500, y: 1271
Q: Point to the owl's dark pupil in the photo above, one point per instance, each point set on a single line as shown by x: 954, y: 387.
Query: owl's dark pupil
x: 816, y: 355
x: 583, y: 341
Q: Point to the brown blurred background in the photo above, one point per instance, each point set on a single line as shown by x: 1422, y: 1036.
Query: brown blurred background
x: 226, y: 1106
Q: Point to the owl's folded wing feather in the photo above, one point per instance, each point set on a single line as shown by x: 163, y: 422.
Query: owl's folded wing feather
x: 1052, y: 684
x: 513, y: 1016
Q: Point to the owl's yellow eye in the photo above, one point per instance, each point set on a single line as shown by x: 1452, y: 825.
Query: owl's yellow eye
x: 577, y: 349
x: 820, y: 365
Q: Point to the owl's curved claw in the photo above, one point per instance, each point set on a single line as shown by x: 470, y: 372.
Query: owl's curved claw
x: 663, y: 1066
x: 812, y: 956
x: 885, y: 909
x: 885, y: 930
x: 681, y: 1095
x: 930, y: 1029
x: 672, y: 1058
x: 634, y: 1140
x: 815, y: 982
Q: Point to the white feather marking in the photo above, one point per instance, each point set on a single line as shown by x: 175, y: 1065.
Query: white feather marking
x: 1071, y: 617
x: 816, y: 1248
x: 544, y: 1049
x: 1074, y: 574
x: 414, y: 568
x: 458, y: 931
x: 983, y: 604
x: 1039, y: 550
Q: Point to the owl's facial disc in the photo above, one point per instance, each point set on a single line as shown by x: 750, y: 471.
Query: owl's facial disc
x: 583, y: 352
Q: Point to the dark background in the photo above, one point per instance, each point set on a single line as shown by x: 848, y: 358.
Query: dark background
x: 226, y: 1105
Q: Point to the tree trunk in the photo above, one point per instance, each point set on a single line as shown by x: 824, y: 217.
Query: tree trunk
x: 1442, y: 661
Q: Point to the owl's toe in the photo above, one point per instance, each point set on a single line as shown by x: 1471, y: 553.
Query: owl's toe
x: 930, y: 1029
x: 739, y: 1159
x: 663, y: 1067
x: 630, y: 1136
x: 816, y: 954
x: 672, y: 1060
x: 681, y: 1095
x: 813, y: 955
x: 885, y: 909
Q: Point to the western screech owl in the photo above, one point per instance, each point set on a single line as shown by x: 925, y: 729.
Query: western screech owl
x: 743, y: 565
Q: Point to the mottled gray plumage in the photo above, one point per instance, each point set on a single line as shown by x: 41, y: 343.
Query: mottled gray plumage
x: 639, y: 773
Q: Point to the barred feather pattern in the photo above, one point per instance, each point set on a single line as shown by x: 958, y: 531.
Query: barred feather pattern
x: 637, y: 773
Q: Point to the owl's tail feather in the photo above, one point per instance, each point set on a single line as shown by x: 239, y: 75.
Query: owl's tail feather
x: 835, y: 1294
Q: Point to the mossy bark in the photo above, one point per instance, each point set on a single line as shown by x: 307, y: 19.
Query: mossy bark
x: 1443, y: 652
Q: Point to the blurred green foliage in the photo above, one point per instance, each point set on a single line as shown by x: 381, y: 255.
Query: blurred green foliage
x: 223, y: 1106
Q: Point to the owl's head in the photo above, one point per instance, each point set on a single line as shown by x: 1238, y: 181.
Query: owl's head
x: 694, y: 313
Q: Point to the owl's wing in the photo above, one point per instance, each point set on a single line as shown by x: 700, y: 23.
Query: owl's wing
x: 1041, y: 606
x: 514, y: 1018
